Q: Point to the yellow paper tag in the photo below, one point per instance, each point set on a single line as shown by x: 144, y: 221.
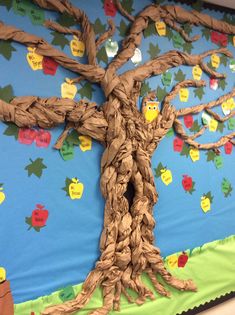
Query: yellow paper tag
x: 77, y: 47
x: 234, y: 41
x: 85, y: 143
x: 205, y: 204
x: 161, y: 28
x: 2, y: 274
x: 231, y: 103
x: 166, y: 176
x: 184, y: 94
x: 213, y: 125
x: 75, y: 189
x: 197, y: 72
x: 194, y: 154
x: 68, y: 90
x: 34, y: 60
x: 2, y: 195
x: 215, y: 61
x: 225, y: 106
x: 172, y: 261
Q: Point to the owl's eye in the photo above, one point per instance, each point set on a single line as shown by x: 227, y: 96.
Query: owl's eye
x: 154, y: 107
x: 149, y: 107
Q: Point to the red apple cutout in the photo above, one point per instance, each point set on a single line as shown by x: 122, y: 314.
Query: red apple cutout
x: 223, y: 40
x: 49, y: 65
x: 187, y: 182
x: 188, y: 121
x: 228, y: 147
x: 43, y: 138
x: 182, y: 260
x: 215, y: 37
x: 109, y: 8
x: 178, y: 144
x: 26, y: 135
x: 39, y: 216
x: 214, y: 83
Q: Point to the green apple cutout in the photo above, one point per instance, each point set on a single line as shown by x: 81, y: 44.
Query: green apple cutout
x: 111, y: 48
x: 137, y: 57
x: 67, y: 151
x: 167, y: 78
x: 170, y: 133
x: 232, y: 65
x: 206, y: 119
x: 75, y: 189
x: 67, y: 294
x: 226, y: 187
x: 36, y: 15
x: 231, y: 123
x: 218, y: 160
x: 178, y: 41
x: 20, y: 7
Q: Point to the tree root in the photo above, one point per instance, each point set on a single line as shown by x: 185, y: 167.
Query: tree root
x: 115, y: 282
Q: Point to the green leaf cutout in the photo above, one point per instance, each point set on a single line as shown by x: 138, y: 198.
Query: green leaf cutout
x: 36, y: 167
x: 6, y: 3
x: 187, y: 47
x: 68, y: 181
x: 206, y: 33
x: 199, y: 92
x: 72, y: 138
x: 154, y: 50
x: 102, y: 55
x: 6, y: 93
x: 220, y: 127
x: 210, y: 155
x: 195, y: 127
x: 150, y: 30
x: 6, y: 49
x: 222, y: 84
x: 158, y: 169
x: 127, y: 5
x: 185, y: 150
x: 59, y: 40
x: 123, y: 28
x: 209, y: 195
x: 145, y: 89
x: 66, y: 19
x: 11, y: 131
x: 99, y: 28
x: 86, y: 90
x: 161, y: 93
x: 179, y: 76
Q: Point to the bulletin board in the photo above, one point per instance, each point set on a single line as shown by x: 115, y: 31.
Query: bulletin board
x: 47, y: 263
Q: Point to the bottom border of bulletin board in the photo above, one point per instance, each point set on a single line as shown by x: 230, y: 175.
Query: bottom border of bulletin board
x: 211, y: 266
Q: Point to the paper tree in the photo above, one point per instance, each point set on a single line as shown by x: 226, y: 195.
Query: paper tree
x: 127, y: 241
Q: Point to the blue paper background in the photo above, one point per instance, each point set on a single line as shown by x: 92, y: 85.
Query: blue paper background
x: 66, y: 250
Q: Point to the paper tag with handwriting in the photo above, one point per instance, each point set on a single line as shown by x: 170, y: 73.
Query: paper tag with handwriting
x: 34, y: 60
x: 161, y: 28
x: 77, y: 47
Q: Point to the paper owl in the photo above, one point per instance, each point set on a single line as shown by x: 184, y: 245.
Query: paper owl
x: 150, y: 110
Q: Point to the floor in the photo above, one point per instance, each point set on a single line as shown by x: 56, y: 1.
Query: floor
x: 226, y: 308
